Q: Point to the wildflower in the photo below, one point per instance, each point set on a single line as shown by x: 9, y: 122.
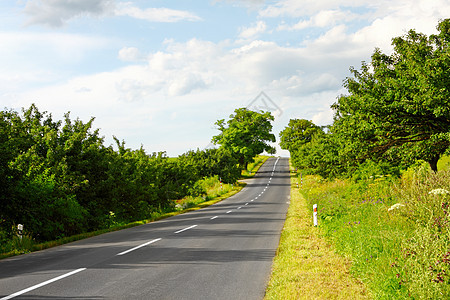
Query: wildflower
x: 395, y: 206
x: 439, y: 192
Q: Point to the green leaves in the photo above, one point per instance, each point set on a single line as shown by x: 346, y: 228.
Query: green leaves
x: 397, y: 111
x: 59, y: 179
x: 400, y: 104
x: 247, y: 135
x: 299, y: 132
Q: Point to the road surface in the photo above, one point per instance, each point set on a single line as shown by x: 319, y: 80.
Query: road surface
x: 224, y: 251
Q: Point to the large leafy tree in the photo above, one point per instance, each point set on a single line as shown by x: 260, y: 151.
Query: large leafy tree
x: 398, y: 106
x: 246, y: 134
x: 298, y: 133
x: 311, y: 149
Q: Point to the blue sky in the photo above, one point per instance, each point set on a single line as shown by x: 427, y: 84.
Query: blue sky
x: 160, y: 73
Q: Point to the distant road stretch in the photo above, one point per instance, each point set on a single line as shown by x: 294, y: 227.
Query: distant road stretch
x: 224, y: 251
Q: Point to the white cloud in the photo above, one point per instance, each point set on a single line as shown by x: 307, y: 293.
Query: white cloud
x: 130, y: 54
x: 55, y: 13
x: 295, y: 8
x: 196, y: 82
x: 245, y: 3
x: 422, y: 14
x: 307, y: 84
x: 27, y: 59
x: 196, y: 67
x: 324, y: 18
x: 252, y: 32
x: 323, y: 117
x: 183, y: 84
x: 155, y: 14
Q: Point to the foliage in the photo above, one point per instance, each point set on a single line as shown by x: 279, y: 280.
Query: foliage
x: 302, y: 138
x: 247, y: 135
x: 204, y: 190
x: 59, y: 179
x: 298, y: 133
x: 398, y: 107
x: 380, y: 203
x: 396, y: 112
x: 211, y: 162
x: 254, y: 166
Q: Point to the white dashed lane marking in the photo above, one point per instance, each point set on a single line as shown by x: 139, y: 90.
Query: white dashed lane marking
x: 184, y: 229
x: 137, y: 247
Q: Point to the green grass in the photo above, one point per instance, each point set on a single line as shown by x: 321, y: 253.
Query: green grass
x: 215, y: 191
x: 444, y: 163
x: 381, y: 238
x: 306, y: 266
x: 253, y: 167
x: 395, y: 232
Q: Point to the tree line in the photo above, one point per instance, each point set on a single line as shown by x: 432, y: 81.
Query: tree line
x: 396, y: 112
x: 59, y: 178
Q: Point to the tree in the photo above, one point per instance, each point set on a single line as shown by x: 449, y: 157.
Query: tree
x: 246, y: 135
x: 310, y: 148
x: 211, y: 162
x: 398, y: 107
x: 298, y: 133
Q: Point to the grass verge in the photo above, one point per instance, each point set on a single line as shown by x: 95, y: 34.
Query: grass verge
x: 253, y: 167
x: 306, y: 266
x: 396, y: 231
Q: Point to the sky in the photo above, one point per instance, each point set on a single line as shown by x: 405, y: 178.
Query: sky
x: 159, y: 74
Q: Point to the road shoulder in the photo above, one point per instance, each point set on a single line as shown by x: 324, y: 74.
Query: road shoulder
x: 306, y: 266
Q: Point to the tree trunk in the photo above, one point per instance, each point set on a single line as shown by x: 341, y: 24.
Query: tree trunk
x: 433, y: 163
x: 243, y: 163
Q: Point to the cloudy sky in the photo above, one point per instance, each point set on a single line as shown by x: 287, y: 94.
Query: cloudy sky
x: 160, y: 73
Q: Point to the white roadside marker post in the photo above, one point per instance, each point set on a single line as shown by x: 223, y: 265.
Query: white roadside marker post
x: 20, y: 230
x: 315, y: 214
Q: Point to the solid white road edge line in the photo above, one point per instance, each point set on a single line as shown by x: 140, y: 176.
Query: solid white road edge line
x: 187, y: 228
x: 42, y: 284
x: 137, y: 247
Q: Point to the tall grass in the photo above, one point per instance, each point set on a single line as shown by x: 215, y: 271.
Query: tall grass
x: 213, y: 189
x: 395, y: 231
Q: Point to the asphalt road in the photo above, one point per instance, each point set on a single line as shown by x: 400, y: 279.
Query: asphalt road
x: 224, y: 251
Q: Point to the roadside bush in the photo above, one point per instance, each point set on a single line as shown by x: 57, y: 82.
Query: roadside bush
x: 59, y: 179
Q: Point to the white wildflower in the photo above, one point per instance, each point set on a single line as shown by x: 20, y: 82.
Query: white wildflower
x: 395, y: 206
x: 439, y: 192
